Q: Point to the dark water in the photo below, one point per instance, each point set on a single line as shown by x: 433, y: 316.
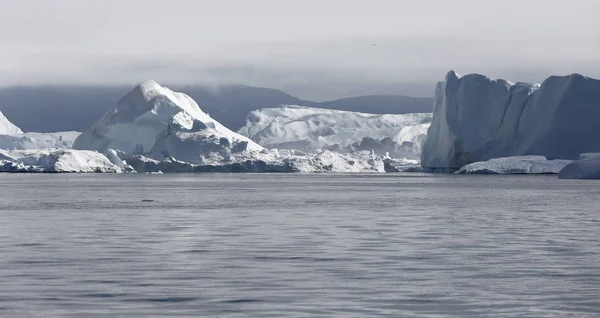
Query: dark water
x: 298, y: 246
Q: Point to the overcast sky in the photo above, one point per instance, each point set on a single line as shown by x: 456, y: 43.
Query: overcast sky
x: 315, y: 48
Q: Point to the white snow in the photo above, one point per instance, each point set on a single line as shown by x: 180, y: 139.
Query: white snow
x: 515, y: 165
x: 13, y: 138
x: 313, y: 130
x: 150, y: 111
x: 8, y: 128
x: 274, y: 161
x: 38, y: 141
x: 476, y: 118
x: 67, y: 160
x: 329, y: 161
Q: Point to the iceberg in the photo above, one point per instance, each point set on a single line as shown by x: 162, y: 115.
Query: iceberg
x: 154, y: 119
x: 13, y: 138
x: 515, y: 165
x: 477, y: 118
x: 273, y: 161
x: 38, y: 141
x: 67, y: 160
x: 154, y: 129
x: 7, y: 127
x: 587, y: 167
x: 313, y: 130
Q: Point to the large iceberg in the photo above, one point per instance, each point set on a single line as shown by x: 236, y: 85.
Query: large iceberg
x: 313, y: 130
x: 154, y: 120
x: 477, y: 118
x: 516, y: 165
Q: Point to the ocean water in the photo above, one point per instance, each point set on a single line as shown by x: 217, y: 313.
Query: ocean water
x: 293, y: 245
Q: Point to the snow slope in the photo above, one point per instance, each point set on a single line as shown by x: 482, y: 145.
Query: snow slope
x: 315, y: 129
x: 476, y: 118
x: 8, y: 128
x: 516, y: 165
x: 67, y: 160
x: 153, y: 119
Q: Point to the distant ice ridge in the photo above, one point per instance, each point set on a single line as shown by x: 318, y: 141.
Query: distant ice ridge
x: 313, y: 130
x: 38, y: 141
x: 67, y: 160
x: 13, y: 138
x: 515, y: 165
x: 281, y: 161
x: 476, y: 119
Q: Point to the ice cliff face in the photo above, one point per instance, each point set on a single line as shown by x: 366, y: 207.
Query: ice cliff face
x: 313, y: 130
x: 476, y: 119
x: 153, y: 119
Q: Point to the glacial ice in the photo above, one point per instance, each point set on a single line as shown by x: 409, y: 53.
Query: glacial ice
x: 13, y: 138
x: 154, y: 129
x: 515, y: 165
x: 7, y: 127
x: 152, y: 118
x: 313, y: 130
x: 476, y: 119
x: 587, y: 167
x: 65, y: 160
x: 38, y: 141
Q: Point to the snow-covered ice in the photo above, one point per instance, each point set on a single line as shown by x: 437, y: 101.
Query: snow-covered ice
x: 66, y: 160
x: 515, y: 165
x: 273, y: 161
x: 154, y: 129
x: 7, y: 127
x: 38, y: 141
x: 477, y: 118
x: 151, y: 113
x: 313, y: 130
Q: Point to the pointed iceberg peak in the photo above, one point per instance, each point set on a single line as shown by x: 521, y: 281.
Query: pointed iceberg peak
x: 147, y: 91
x: 7, y: 127
x: 452, y: 75
x: 151, y: 113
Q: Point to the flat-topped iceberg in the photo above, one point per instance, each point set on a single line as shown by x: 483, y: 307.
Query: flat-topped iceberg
x: 38, y: 141
x: 515, y: 165
x: 313, y: 130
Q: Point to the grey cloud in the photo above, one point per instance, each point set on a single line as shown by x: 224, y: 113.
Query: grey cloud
x: 295, y: 45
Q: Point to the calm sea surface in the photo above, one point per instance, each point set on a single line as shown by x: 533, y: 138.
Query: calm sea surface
x: 293, y: 245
